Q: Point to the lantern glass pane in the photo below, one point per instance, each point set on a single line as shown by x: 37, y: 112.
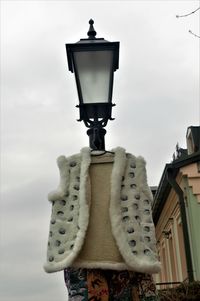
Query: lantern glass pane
x: 94, y: 72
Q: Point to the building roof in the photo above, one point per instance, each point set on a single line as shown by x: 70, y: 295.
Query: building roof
x: 153, y: 189
x: 195, y: 131
x: 164, y: 186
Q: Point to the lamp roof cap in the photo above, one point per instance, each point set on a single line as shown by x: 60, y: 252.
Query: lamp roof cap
x: 91, y: 32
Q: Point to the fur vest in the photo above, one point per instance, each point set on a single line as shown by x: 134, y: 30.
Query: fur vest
x: 129, y: 211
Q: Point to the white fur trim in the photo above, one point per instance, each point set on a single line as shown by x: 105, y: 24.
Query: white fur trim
x: 84, y: 209
x: 64, y: 179
x: 141, y: 177
x: 139, y: 263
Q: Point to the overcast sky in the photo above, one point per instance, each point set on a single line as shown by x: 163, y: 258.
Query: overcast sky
x: 156, y: 93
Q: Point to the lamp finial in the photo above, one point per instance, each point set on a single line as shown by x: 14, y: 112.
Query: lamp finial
x: 91, y: 32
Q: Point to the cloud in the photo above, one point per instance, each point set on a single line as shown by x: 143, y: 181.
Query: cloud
x: 25, y: 215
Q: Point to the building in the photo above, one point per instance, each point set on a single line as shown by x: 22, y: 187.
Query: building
x: 176, y: 214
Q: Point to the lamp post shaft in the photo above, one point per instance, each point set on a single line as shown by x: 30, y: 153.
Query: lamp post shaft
x: 96, y: 138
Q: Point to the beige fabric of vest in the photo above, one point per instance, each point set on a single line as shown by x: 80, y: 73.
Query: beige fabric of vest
x: 100, y: 245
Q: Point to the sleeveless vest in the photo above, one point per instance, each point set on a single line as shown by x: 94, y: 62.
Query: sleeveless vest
x: 124, y: 234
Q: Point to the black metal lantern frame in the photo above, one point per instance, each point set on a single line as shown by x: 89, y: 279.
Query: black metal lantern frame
x: 95, y: 114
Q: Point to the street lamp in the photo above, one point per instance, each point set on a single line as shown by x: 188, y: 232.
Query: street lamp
x: 94, y: 61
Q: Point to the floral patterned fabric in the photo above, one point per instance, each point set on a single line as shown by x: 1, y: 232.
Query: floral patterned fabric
x: 109, y: 285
